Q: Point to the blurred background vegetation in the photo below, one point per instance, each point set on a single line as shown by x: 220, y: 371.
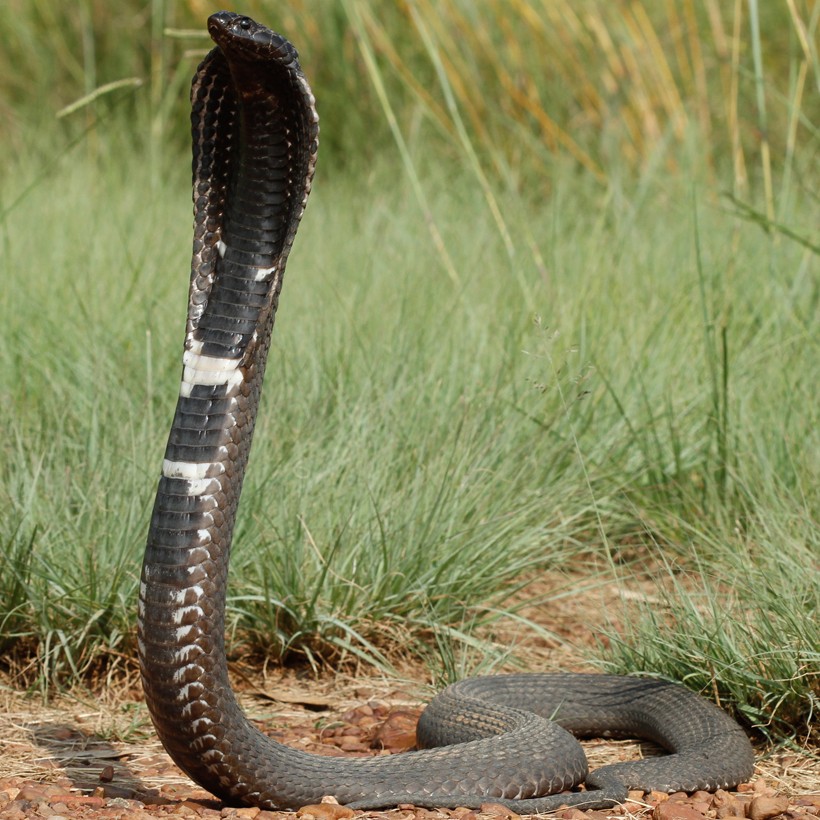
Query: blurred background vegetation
x: 519, y: 81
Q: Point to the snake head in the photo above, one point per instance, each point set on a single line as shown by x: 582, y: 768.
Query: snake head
x: 240, y: 37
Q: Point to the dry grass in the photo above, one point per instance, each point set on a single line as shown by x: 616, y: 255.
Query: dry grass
x: 606, y: 83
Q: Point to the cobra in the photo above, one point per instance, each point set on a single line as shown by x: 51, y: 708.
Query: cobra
x: 255, y: 140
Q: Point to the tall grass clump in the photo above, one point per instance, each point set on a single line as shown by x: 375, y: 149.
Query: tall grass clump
x: 604, y: 83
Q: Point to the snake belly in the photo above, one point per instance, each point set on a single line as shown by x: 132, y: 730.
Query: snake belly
x: 506, y: 738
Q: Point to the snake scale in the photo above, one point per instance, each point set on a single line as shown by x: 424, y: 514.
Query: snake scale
x: 503, y: 738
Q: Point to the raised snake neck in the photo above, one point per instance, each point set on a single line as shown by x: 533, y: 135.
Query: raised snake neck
x: 255, y: 131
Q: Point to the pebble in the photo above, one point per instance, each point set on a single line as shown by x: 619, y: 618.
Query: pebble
x: 726, y: 805
x: 764, y: 807
x: 759, y: 786
x: 573, y: 814
x: 398, y: 732
x: 41, y: 792
x: 325, y: 811
x: 123, y: 803
x: 91, y: 801
x: 6, y: 797
x: 807, y: 800
x: 592, y: 814
x: 675, y: 810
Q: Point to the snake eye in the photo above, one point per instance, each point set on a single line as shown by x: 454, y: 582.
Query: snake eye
x: 244, y: 23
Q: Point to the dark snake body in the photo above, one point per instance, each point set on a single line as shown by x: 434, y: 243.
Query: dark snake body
x: 255, y: 133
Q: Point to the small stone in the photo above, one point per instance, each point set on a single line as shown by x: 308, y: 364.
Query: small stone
x: 573, y: 814
x: 248, y: 812
x: 398, y: 732
x: 7, y: 795
x: 725, y: 805
x: 92, y: 801
x: 325, y: 811
x: 764, y: 807
x: 123, y: 803
x: 657, y: 797
x: 674, y: 810
x: 32, y: 793
x: 107, y: 774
